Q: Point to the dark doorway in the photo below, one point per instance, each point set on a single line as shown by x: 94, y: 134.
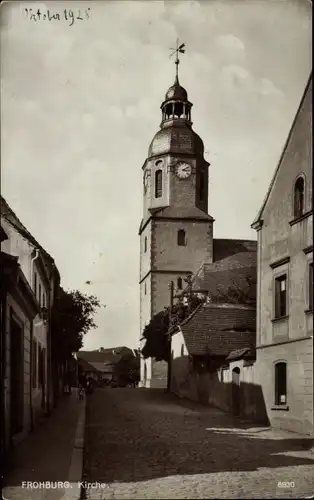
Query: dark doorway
x: 16, y: 376
x: 236, y: 391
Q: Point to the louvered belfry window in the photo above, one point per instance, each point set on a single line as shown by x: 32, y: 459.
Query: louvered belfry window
x: 158, y: 184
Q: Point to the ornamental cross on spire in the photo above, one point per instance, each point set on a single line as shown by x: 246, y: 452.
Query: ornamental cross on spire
x: 179, y: 50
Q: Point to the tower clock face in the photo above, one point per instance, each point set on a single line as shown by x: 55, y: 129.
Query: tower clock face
x: 183, y: 170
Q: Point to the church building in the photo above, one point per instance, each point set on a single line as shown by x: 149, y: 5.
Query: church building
x: 176, y: 231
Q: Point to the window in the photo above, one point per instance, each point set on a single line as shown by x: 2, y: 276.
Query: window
x: 280, y: 383
x: 39, y: 294
x: 179, y: 283
x: 145, y: 244
x: 299, y: 197
x: 311, y: 286
x: 145, y: 289
x: 181, y: 238
x: 158, y: 184
x: 182, y: 350
x: 202, y: 185
x: 34, y: 367
x: 281, y: 296
x: 44, y: 299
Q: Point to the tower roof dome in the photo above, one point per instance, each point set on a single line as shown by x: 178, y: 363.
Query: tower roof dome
x: 176, y: 91
x: 179, y: 139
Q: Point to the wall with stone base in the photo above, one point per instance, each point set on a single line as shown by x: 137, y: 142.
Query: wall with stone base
x: 298, y: 417
x: 215, y: 387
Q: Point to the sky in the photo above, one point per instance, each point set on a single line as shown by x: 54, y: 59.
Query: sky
x: 80, y: 105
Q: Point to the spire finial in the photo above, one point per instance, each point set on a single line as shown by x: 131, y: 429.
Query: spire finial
x: 179, y: 50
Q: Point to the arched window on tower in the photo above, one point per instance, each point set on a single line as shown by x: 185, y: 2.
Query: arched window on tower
x: 145, y: 244
x: 181, y: 238
x: 179, y: 283
x: 202, y: 185
x: 299, y: 197
x: 158, y: 184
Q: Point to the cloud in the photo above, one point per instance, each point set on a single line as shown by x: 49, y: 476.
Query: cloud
x: 230, y: 43
x: 267, y: 88
x: 235, y: 76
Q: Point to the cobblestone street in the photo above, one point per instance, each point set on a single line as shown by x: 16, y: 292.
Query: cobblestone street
x: 143, y: 443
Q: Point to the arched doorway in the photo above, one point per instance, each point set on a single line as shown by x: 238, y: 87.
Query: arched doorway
x: 236, y: 391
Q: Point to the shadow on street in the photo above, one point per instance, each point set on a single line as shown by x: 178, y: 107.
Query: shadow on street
x: 140, y: 434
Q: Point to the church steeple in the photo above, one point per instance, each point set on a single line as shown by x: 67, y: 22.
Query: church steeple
x: 176, y: 231
x: 176, y: 105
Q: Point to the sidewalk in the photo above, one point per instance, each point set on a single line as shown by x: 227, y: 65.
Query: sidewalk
x: 52, y: 453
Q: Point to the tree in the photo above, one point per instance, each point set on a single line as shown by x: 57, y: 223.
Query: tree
x: 72, y: 317
x: 155, y: 334
x: 158, y: 330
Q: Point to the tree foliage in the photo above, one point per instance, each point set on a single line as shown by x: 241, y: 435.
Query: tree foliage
x: 155, y: 334
x: 72, y: 317
x: 158, y: 330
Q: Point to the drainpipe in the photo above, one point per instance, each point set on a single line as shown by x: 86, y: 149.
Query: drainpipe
x: 31, y: 360
x: 32, y: 267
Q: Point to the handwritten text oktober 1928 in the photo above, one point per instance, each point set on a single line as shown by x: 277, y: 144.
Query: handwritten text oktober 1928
x: 68, y: 15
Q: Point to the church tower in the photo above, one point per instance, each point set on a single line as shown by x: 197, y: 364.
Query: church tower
x: 176, y: 231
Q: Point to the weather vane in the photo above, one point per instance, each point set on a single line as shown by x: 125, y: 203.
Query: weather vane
x: 179, y: 50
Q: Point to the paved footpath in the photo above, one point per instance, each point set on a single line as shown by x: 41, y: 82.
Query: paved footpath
x: 143, y: 443
x: 46, y: 455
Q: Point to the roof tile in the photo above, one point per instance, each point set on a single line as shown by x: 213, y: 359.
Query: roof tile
x: 223, y: 248
x: 220, y: 329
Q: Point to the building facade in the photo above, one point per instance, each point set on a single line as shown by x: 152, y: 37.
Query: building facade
x: 31, y: 346
x: 118, y: 365
x: 176, y: 231
x: 284, y: 364
x: 18, y: 310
